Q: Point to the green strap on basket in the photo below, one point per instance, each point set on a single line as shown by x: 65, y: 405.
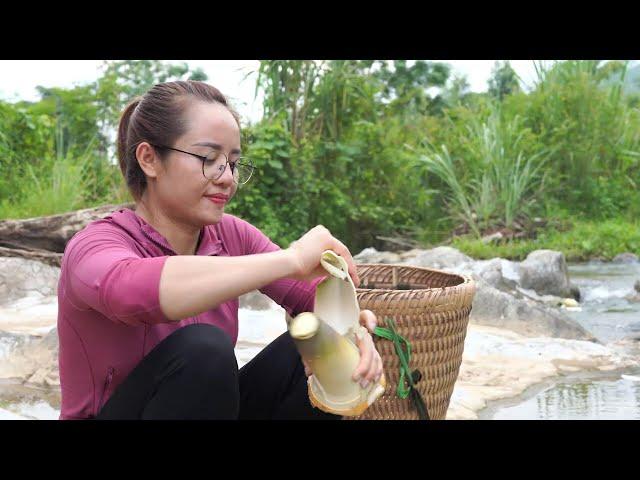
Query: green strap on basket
x: 406, y: 383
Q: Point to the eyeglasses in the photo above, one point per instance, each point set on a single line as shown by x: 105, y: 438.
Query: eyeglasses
x: 215, y: 163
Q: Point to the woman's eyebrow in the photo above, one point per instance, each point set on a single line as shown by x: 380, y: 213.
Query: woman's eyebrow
x: 214, y: 145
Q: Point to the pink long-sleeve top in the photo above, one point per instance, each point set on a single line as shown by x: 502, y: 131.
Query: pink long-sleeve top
x: 109, y: 314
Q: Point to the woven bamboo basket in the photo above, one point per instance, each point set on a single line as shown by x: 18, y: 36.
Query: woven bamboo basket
x: 431, y: 310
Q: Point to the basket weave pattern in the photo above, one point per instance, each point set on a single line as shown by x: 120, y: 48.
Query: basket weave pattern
x: 431, y: 310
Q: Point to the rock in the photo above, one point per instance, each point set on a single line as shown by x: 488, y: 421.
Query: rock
x: 371, y: 255
x: 626, y: 257
x: 495, y: 308
x: 10, y: 342
x: 256, y: 300
x: 493, y: 238
x: 491, y: 271
x: 570, y: 303
x: 365, y: 255
x: 497, y: 272
x: 545, y: 272
x: 575, y: 292
x: 32, y: 315
x: 635, y: 296
x: 34, y: 362
x: 438, y: 258
x: 20, y: 277
x: 414, y: 252
x: 550, y: 300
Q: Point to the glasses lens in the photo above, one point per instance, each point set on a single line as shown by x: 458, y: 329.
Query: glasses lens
x: 243, y: 170
x: 214, y: 165
x: 216, y: 162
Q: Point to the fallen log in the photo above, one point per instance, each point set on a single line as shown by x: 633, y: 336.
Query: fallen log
x: 50, y: 258
x: 50, y: 233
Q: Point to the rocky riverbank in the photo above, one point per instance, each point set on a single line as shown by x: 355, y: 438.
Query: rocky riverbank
x: 520, y: 330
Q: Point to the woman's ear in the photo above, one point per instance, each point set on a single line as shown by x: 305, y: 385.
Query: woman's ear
x: 148, y: 159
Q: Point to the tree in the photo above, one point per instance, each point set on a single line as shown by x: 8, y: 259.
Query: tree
x: 503, y: 80
x: 457, y: 91
x: 124, y: 80
x: 406, y: 88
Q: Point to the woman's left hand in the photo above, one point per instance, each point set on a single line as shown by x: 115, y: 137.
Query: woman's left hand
x: 369, y: 370
x: 370, y: 367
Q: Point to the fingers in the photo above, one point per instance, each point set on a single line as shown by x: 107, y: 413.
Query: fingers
x: 370, y: 367
x: 343, y: 251
x: 379, y: 367
x: 368, y: 319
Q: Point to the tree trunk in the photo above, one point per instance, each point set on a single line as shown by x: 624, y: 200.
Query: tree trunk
x: 50, y: 258
x: 51, y: 234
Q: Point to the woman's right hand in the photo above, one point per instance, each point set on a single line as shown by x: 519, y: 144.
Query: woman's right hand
x: 306, y: 252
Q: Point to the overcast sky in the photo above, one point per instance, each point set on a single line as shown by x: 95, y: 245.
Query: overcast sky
x: 19, y: 78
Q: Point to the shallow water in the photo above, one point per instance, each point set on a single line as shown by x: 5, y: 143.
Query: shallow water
x: 595, y: 400
x: 610, y: 317
x: 603, y: 287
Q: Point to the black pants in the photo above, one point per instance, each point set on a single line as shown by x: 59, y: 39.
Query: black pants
x: 193, y: 374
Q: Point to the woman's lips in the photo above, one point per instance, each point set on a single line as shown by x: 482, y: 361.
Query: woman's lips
x: 219, y: 200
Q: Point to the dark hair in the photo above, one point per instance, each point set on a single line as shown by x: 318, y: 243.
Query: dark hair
x: 157, y: 117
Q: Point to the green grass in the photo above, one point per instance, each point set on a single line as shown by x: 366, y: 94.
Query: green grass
x: 585, y: 240
x: 62, y: 185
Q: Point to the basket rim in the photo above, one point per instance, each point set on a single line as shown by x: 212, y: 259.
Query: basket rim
x: 467, y: 280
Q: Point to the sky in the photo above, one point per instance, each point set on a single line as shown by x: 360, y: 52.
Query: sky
x: 19, y: 78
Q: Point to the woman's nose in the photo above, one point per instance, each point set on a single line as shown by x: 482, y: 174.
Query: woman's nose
x: 227, y: 176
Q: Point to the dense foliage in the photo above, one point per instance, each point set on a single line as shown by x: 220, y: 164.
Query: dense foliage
x: 369, y: 149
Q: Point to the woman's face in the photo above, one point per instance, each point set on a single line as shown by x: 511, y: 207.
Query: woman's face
x: 181, y: 188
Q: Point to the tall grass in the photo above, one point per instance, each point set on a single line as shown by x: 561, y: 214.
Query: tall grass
x: 494, y: 179
x: 62, y: 183
x: 578, y: 109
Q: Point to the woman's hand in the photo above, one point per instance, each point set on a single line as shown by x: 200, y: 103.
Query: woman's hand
x: 307, y: 250
x: 370, y: 367
x: 369, y: 370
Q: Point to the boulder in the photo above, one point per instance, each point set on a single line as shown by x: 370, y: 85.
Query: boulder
x: 438, y: 258
x: 499, y: 309
x: 545, y: 272
x: 371, y: 255
x: 34, y: 362
x: 491, y: 271
x: 20, y: 277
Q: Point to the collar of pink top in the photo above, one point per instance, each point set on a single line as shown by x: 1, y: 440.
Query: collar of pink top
x: 208, y: 243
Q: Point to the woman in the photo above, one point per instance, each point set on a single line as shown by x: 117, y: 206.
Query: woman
x: 148, y: 298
